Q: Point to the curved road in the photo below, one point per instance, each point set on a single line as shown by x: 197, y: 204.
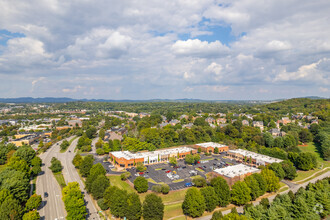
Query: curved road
x: 52, y: 207
x: 71, y: 175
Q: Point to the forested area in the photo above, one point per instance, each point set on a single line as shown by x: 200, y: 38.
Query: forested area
x: 19, y: 166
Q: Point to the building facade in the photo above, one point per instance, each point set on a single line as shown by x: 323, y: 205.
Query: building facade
x: 210, y: 146
x: 126, y: 159
x: 235, y: 173
x: 251, y: 158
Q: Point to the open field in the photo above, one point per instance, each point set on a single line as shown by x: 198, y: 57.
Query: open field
x: 303, y: 175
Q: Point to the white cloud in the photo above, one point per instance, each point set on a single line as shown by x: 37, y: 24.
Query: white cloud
x: 311, y: 73
x: 199, y: 48
x: 142, y: 46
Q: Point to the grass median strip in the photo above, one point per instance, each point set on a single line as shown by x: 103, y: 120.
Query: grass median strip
x: 60, y: 179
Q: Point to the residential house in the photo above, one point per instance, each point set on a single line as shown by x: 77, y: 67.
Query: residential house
x: 245, y: 123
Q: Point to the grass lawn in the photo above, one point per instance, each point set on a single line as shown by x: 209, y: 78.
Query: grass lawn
x: 200, y: 170
x: 173, y: 210
x: 116, y: 181
x: 34, y: 182
x: 153, y: 181
x: 311, y: 147
x: 178, y: 181
x: 60, y: 179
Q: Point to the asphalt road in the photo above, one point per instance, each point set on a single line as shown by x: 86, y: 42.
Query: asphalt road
x: 52, y: 206
x: 71, y: 175
x: 293, y: 187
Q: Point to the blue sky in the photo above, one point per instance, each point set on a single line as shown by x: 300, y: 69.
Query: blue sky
x: 179, y: 49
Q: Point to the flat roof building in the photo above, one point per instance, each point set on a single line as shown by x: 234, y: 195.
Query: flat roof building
x: 235, y: 173
x: 127, y: 159
x: 252, y: 158
x: 210, y: 146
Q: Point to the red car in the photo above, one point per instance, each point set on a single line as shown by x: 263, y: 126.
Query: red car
x: 198, y: 162
x: 168, y: 171
x: 141, y: 173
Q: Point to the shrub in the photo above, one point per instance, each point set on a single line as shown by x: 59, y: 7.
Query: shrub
x: 199, y: 181
x: 156, y: 188
x: 165, y: 188
x: 141, y: 184
x: 102, y: 204
x: 125, y: 176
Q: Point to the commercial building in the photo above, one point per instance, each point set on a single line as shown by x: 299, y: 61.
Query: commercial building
x: 126, y: 159
x: 210, y: 146
x: 235, y: 173
x: 251, y: 158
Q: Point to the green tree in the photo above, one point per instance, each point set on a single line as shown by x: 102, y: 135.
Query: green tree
x: 216, y: 150
x: 56, y: 165
x: 64, y: 145
x: 217, y: 215
x: 141, y: 184
x: 26, y: 153
x: 210, y: 198
x: 306, y: 161
x: 240, y: 193
x: 99, y: 185
x: 222, y: 191
x: 95, y: 171
x: 134, y: 208
x: 74, y: 202
x: 16, y: 182
x: 305, y: 136
x: 289, y: 170
x: 253, y: 184
x: 189, y: 159
x: 86, y: 165
x: 31, y: 215
x: 153, y: 207
x: 194, y: 203
x: 271, y: 179
x: 33, y: 202
x: 117, y: 201
x: 9, y: 207
x: 140, y: 167
x: 173, y: 161
x: 101, y: 133
x: 278, y: 170
x: 199, y: 181
x: 77, y: 160
x: 165, y: 188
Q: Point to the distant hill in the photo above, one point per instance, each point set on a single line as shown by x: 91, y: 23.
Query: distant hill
x: 65, y: 99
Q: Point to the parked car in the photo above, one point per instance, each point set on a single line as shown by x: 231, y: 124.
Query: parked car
x: 45, y: 194
x: 141, y: 173
x: 168, y: 171
x: 188, y: 184
x: 136, y: 174
x: 201, y: 168
x: 184, y: 167
x: 163, y: 168
x: 198, y: 162
x: 146, y: 176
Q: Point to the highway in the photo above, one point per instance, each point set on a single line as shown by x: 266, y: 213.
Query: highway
x: 52, y: 206
x: 71, y: 175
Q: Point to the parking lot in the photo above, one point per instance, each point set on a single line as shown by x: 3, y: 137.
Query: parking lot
x: 180, y: 176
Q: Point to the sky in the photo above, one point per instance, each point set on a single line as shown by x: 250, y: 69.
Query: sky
x: 148, y: 49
